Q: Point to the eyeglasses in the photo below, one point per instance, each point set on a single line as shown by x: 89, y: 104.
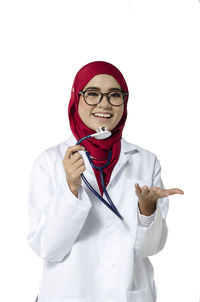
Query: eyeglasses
x: 92, y: 97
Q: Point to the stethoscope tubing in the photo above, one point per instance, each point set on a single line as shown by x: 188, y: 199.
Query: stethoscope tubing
x: 101, y: 173
x: 110, y: 205
x: 100, y: 197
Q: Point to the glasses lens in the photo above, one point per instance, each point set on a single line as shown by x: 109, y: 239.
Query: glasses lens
x: 92, y: 97
x: 116, y: 98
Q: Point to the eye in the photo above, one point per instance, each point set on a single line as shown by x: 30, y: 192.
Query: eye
x: 92, y: 93
x: 115, y: 94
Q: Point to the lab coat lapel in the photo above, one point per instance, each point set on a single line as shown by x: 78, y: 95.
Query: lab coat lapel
x: 119, y: 165
x: 126, y: 148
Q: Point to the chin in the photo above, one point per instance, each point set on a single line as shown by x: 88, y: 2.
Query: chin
x: 96, y: 126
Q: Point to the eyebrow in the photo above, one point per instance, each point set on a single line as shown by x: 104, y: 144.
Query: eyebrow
x: 97, y: 88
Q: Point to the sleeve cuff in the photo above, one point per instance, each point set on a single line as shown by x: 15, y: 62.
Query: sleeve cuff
x: 145, y: 221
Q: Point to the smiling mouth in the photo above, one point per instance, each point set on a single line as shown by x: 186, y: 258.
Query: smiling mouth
x: 102, y: 116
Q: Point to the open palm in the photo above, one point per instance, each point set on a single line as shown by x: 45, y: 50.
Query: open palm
x: 150, y: 195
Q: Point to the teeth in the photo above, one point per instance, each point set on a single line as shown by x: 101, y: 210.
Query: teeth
x: 102, y: 115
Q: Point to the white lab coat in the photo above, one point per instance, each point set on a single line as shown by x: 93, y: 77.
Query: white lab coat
x: 89, y: 254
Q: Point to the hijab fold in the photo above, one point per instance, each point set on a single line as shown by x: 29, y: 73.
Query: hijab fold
x: 97, y: 148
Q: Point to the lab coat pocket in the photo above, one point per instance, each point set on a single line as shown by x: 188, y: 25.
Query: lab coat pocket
x: 142, y: 295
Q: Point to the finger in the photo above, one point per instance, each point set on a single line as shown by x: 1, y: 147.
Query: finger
x: 75, y: 157
x: 174, y: 191
x: 144, y: 189
x: 78, y: 164
x: 137, y: 188
x: 155, y: 188
x: 160, y: 192
x: 157, y: 192
x: 73, y: 149
x: 79, y: 172
x: 167, y: 192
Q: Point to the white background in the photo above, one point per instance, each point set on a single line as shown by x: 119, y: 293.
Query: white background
x: 155, y: 44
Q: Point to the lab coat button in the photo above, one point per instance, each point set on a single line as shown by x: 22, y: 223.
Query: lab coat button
x: 108, y: 223
x: 109, y: 264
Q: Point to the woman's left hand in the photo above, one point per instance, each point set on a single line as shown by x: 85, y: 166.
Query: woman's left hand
x: 149, y: 196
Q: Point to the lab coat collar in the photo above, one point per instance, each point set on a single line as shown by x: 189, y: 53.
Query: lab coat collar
x: 126, y: 148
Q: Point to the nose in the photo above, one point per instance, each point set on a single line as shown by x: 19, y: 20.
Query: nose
x: 104, y: 102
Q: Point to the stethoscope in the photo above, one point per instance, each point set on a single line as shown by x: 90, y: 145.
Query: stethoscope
x: 101, y: 133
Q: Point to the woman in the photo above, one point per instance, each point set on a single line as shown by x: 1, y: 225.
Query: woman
x: 89, y: 253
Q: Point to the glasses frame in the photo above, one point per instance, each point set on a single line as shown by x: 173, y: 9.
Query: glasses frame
x: 102, y: 95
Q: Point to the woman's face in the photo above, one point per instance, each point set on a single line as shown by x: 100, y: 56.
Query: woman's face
x: 103, y: 83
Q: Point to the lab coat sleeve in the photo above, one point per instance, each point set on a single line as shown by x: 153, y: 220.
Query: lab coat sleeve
x: 151, y: 233
x: 56, y: 216
x: 143, y: 220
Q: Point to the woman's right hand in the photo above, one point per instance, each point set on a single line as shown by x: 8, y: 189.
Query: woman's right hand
x: 74, y: 166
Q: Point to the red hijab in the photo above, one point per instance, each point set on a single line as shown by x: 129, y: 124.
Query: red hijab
x: 97, y: 148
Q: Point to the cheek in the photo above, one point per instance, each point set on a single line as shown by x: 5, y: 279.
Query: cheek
x: 82, y: 108
x: 120, y: 114
x: 84, y: 112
